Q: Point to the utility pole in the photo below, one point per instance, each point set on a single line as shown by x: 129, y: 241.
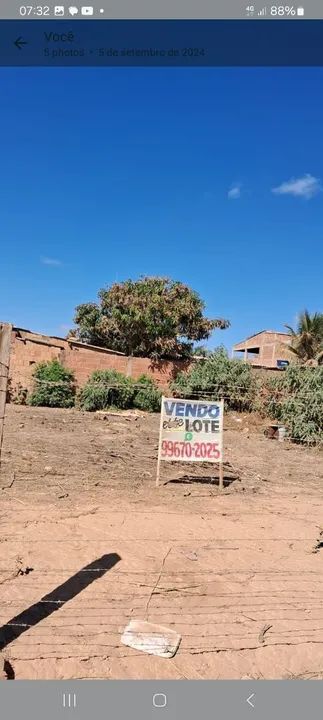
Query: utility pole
x: 5, y: 343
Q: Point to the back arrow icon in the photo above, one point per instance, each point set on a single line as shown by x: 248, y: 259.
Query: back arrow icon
x: 249, y: 699
x: 19, y: 43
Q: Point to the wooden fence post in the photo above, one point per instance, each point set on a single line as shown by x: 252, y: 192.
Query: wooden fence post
x: 5, y: 343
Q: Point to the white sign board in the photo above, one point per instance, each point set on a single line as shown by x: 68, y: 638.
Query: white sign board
x: 191, y: 431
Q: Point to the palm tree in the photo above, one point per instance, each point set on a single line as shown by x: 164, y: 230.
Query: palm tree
x: 307, y: 339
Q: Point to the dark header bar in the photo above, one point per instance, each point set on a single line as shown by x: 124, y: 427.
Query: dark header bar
x: 186, y: 43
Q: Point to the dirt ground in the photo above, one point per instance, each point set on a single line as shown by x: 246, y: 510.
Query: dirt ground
x: 239, y: 574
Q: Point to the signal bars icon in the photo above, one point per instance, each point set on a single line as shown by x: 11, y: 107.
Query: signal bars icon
x: 263, y: 12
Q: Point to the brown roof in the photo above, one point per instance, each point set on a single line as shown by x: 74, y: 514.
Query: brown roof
x: 267, y: 332
x: 45, y: 339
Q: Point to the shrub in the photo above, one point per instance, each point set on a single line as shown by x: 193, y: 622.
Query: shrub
x: 17, y: 394
x: 20, y: 396
x: 109, y: 388
x: 147, y: 397
x: 217, y: 376
x: 105, y: 388
x: 53, y: 386
x: 295, y: 398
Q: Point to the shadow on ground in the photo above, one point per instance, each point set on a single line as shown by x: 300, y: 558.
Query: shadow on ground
x: 203, y: 480
x: 56, y: 599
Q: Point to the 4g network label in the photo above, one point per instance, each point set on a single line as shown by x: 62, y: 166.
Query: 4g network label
x: 191, y: 431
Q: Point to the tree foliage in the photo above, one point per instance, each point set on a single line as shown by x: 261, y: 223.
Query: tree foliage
x: 147, y: 395
x: 202, y: 351
x: 154, y: 317
x: 217, y: 376
x: 105, y: 388
x: 109, y: 388
x: 295, y: 398
x: 53, y: 386
x: 307, y: 338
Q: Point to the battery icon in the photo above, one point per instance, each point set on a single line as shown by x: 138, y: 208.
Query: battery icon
x: 300, y: 12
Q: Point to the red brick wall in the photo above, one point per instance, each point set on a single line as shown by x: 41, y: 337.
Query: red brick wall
x: 23, y: 357
x: 30, y: 349
x: 83, y: 362
x: 163, y: 371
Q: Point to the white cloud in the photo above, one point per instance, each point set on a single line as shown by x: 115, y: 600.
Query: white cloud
x: 306, y: 187
x: 50, y: 261
x: 235, y: 192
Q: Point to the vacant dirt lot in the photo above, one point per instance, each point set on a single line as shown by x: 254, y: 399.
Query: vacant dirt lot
x: 239, y: 574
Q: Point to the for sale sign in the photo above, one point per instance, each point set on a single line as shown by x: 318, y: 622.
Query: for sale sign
x: 191, y: 431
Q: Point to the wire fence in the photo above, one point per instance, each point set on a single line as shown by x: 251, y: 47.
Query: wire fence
x: 101, y: 618
x: 220, y: 390
x: 238, y: 396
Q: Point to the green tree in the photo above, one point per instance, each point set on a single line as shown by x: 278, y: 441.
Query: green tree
x: 295, y: 398
x: 106, y: 388
x: 147, y: 394
x: 218, y: 377
x: 154, y: 317
x: 201, y: 351
x: 53, y: 386
x: 307, y: 339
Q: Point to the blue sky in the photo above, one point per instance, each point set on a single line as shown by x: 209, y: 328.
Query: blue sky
x: 112, y: 173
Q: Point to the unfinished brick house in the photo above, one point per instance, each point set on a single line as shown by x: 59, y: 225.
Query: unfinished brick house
x: 266, y: 349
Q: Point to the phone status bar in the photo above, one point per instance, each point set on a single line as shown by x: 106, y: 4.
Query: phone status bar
x: 275, y: 11
x: 90, y: 11
x: 160, y: 10
x: 60, y: 11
